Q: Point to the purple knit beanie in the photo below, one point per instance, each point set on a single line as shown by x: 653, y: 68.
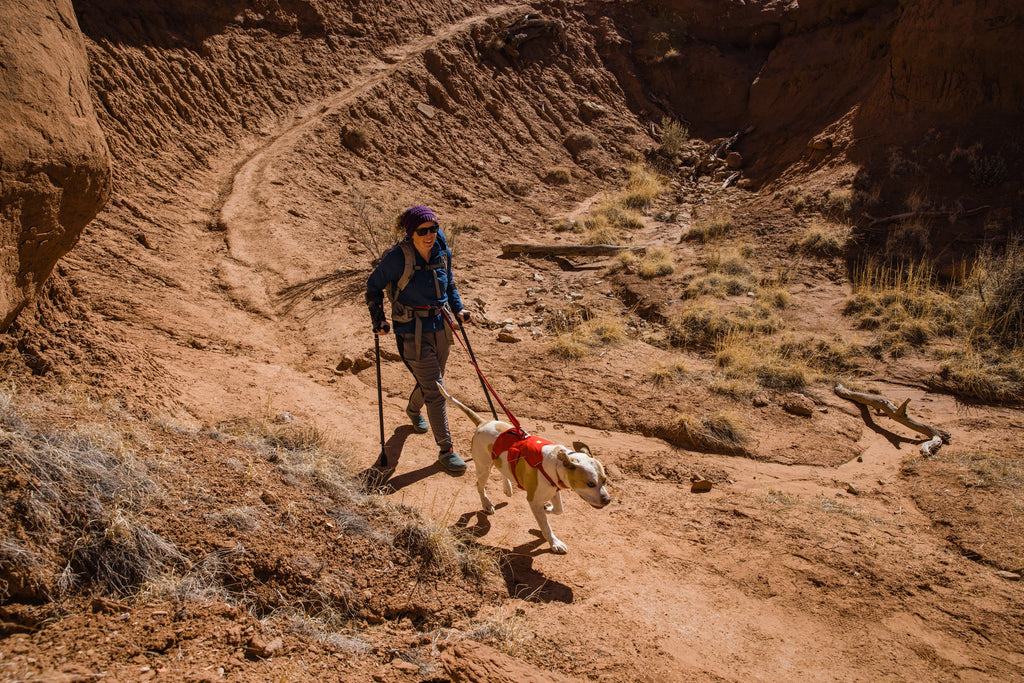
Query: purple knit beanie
x: 415, y: 217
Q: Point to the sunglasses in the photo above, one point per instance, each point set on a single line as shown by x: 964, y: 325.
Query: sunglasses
x: 423, y: 232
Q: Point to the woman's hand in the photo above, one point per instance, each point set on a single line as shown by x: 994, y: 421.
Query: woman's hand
x: 464, y: 315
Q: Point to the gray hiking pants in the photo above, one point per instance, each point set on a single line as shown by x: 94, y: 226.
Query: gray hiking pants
x: 428, y: 370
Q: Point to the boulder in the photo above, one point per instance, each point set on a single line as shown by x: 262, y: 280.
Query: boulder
x: 54, y: 162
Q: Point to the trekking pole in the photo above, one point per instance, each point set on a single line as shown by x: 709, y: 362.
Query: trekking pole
x: 382, y: 461
x: 469, y: 348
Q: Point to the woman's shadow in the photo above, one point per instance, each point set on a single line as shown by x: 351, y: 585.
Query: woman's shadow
x: 378, y: 477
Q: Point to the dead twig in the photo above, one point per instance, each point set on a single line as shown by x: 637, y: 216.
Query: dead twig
x: 886, y: 407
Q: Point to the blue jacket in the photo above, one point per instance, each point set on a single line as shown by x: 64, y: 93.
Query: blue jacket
x: 420, y: 292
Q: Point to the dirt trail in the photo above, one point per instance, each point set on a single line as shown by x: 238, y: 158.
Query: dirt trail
x: 249, y: 225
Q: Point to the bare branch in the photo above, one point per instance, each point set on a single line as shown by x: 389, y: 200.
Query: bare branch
x: 886, y: 407
x: 567, y: 249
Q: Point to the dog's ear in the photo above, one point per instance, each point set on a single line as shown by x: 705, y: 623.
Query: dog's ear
x: 563, y: 457
x: 581, y: 447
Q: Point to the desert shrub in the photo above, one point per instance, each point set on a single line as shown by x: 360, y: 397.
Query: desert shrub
x: 580, y: 141
x: 373, y: 230
x: 673, y: 136
x: 444, y: 550
x: 606, y: 222
x: 901, y: 165
x: 773, y: 297
x: 557, y: 175
x: 567, y: 346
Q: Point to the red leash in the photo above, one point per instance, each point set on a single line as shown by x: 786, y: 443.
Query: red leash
x: 508, y: 413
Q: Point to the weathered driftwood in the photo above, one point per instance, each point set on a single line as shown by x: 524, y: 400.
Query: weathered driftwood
x: 567, y: 249
x: 889, y: 409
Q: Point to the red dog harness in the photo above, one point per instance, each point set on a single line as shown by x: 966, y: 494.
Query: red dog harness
x: 519, y: 444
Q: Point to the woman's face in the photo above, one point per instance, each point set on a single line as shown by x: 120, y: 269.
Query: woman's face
x: 424, y: 242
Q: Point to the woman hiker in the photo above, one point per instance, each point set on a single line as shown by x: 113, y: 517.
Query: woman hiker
x: 417, y: 276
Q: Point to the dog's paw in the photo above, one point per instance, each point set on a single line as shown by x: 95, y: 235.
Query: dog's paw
x: 549, y: 507
x: 559, y: 548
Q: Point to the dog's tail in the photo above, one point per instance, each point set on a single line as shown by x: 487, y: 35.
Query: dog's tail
x: 477, y: 420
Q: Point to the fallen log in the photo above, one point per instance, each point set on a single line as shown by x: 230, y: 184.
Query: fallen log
x: 951, y: 215
x: 567, y: 249
x: 886, y: 407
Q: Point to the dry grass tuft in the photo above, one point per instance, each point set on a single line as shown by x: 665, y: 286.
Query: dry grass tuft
x: 557, y: 175
x: 823, y: 240
x: 507, y: 630
x: 656, y: 262
x: 715, y: 433
x: 703, y: 327
x: 707, y: 228
x: 86, y: 500
x: 982, y: 320
x: 664, y: 373
x: 580, y: 141
x: 643, y: 187
x: 742, y: 357
x: 587, y: 331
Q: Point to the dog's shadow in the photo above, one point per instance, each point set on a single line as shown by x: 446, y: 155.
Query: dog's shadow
x: 525, y: 582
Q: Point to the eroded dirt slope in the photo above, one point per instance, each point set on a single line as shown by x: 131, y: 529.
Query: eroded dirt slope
x: 826, y: 549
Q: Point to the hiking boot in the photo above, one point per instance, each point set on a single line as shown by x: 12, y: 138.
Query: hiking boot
x: 451, y: 461
x: 419, y: 423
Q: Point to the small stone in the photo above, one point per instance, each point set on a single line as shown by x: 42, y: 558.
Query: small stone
x: 852, y: 488
x: 345, y: 363
x: 427, y: 110
x: 798, y: 404
x: 407, y: 667
x: 504, y: 220
x: 701, y: 485
x: 260, y: 648
x: 860, y: 458
x: 507, y: 337
x: 1009, y: 576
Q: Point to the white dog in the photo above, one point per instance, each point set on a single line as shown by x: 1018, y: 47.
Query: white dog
x: 539, y: 467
